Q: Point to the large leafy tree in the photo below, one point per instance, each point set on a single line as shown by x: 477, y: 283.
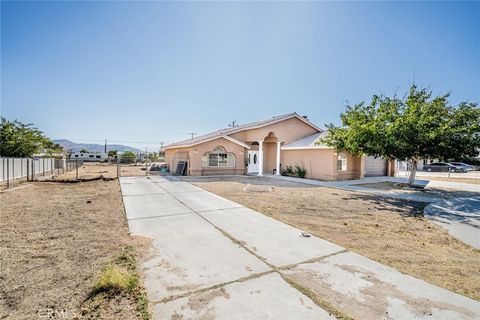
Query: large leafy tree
x: 153, y: 156
x: 418, y: 126
x: 128, y: 157
x: 23, y: 140
x: 112, y: 153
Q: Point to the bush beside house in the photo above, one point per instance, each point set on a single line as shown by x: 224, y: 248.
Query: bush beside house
x: 298, y: 171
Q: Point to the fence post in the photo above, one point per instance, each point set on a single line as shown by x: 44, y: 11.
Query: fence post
x: 13, y: 169
x: 77, y: 167
x: 118, y: 167
x: 8, y: 173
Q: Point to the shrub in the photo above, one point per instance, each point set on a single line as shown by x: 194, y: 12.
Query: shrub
x: 301, y: 171
x: 288, y: 171
x: 298, y: 171
x: 115, y: 279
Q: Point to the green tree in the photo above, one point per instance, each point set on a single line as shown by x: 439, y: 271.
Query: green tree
x: 128, y: 157
x: 112, y: 153
x: 83, y: 151
x: 22, y: 140
x: 416, y: 127
x: 153, y: 156
x: 52, y: 149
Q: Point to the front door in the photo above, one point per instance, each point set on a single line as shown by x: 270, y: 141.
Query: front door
x: 252, y: 166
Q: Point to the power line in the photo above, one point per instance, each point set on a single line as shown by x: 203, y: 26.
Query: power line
x: 112, y: 141
x: 107, y: 131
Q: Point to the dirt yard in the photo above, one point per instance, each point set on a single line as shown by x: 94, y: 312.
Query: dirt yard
x: 56, y: 239
x: 389, y: 231
x: 429, y: 192
x: 90, y: 170
x: 462, y: 180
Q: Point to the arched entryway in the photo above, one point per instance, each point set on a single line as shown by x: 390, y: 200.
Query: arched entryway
x: 264, y: 155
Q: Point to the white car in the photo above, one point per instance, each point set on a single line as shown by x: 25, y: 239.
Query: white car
x: 467, y: 167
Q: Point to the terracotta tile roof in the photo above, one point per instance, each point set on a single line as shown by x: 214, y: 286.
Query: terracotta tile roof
x: 227, y: 131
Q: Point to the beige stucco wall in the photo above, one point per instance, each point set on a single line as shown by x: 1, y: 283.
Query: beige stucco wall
x: 196, y: 152
x: 286, y: 131
x: 321, y: 164
x: 269, y: 157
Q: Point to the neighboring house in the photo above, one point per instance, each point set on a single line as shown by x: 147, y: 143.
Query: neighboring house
x: 268, y: 146
x: 89, y: 156
x: 405, y: 166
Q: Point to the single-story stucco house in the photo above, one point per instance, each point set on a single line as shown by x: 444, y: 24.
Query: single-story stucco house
x: 268, y: 146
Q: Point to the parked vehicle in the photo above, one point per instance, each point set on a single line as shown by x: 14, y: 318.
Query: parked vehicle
x: 159, y: 167
x: 468, y: 167
x: 443, y: 167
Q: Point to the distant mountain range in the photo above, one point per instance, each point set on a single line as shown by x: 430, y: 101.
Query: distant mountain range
x: 92, y: 147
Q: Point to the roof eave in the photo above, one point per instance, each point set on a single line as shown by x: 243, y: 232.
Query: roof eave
x: 246, y: 146
x: 307, y: 148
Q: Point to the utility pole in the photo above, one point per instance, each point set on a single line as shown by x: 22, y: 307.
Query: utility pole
x: 160, y: 151
x: 105, y: 146
x: 192, y: 133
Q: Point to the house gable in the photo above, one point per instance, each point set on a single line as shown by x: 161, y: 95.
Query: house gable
x: 286, y: 130
x: 255, y: 129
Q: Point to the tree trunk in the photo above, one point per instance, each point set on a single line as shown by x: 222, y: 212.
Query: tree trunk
x: 413, y: 172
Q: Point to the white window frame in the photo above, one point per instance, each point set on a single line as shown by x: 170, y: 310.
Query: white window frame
x: 219, y: 158
x: 342, y: 162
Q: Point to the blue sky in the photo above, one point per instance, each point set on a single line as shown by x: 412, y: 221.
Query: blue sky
x: 145, y: 72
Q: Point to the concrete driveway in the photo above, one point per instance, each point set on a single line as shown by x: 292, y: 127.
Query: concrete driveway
x: 215, y: 259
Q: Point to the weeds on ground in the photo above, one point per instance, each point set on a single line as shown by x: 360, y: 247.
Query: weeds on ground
x: 119, y: 278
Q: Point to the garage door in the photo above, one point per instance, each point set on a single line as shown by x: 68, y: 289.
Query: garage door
x: 375, y: 167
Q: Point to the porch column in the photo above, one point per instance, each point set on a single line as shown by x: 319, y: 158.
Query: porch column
x: 277, y: 171
x: 260, y: 158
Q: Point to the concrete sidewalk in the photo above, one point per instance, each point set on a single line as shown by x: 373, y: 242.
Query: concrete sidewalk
x: 356, y: 185
x: 216, y: 259
x: 461, y: 217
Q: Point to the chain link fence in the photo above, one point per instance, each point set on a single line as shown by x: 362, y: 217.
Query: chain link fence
x: 13, y: 170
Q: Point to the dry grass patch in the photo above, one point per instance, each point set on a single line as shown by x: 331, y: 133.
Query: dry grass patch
x: 461, y: 180
x: 405, y: 188
x: 390, y: 231
x: 119, y: 279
